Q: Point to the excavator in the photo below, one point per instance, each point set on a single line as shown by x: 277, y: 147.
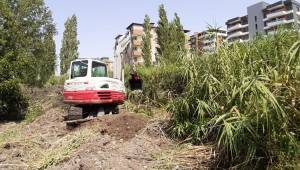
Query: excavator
x: 90, y: 92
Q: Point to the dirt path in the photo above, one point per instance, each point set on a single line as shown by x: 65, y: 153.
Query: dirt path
x: 123, y: 141
x: 127, y: 146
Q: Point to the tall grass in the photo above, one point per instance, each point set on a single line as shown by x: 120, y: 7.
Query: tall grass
x: 244, y: 98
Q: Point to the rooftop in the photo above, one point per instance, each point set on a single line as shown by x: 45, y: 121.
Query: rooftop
x: 118, y: 36
x: 237, y: 19
x: 138, y: 24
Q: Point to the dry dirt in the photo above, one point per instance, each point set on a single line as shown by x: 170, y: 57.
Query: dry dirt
x: 124, y: 141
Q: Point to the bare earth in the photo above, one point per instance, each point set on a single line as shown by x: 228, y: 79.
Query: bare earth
x: 123, y: 141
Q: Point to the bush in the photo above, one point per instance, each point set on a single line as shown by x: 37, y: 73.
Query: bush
x: 12, y: 102
x: 162, y: 83
x: 57, y: 80
x: 244, y: 98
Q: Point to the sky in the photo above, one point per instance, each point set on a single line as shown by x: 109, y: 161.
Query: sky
x: 100, y: 21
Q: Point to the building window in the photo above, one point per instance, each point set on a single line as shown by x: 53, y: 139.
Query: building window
x: 298, y: 9
x: 256, y: 26
x: 255, y: 18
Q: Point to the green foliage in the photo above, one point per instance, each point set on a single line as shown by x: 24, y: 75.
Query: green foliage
x: 161, y: 83
x: 171, y: 37
x: 48, y: 62
x: 57, y: 80
x: 244, y: 98
x: 178, y: 34
x: 27, y: 51
x: 12, y: 102
x: 69, y: 49
x: 26, y: 39
x: 162, y: 31
x: 147, y: 41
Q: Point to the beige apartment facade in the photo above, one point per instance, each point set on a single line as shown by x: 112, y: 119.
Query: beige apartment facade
x: 207, y: 41
x: 131, y: 44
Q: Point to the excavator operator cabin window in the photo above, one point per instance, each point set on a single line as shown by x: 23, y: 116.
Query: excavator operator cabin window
x: 98, y: 69
x: 79, y: 69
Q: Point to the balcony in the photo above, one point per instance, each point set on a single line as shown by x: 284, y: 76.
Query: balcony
x: 278, y: 22
x: 236, y: 27
x: 137, y: 42
x: 238, y: 41
x: 222, y: 34
x: 137, y: 32
x: 208, y: 48
x: 277, y: 14
x: 137, y: 53
x: 208, y: 41
x: 276, y: 5
x: 237, y: 34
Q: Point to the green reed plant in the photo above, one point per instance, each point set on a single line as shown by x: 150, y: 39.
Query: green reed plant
x: 245, y: 98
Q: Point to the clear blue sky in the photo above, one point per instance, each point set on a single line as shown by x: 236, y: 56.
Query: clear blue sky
x: 100, y: 21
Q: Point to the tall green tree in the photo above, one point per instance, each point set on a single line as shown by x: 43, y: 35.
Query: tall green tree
x: 24, y: 26
x: 48, y: 64
x: 26, y: 30
x: 171, y: 37
x: 178, y: 35
x: 163, y: 32
x: 69, y: 49
x: 147, y: 41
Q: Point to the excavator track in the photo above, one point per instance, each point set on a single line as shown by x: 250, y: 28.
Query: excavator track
x: 80, y: 114
x: 75, y: 113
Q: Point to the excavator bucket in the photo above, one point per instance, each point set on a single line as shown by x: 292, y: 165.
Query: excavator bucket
x: 135, y: 82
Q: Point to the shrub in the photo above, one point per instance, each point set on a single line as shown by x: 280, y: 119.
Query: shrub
x: 161, y: 83
x: 12, y: 102
x: 57, y: 80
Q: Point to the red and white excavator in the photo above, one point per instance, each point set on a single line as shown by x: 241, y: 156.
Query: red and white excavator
x: 90, y: 91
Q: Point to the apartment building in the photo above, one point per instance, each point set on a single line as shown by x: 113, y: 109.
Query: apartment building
x: 281, y: 13
x: 108, y: 62
x: 255, y: 19
x: 207, y: 41
x: 237, y: 29
x: 128, y: 47
x: 262, y: 18
x: 131, y: 44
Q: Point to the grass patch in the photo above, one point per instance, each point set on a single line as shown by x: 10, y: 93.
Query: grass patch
x: 9, y: 135
x: 34, y: 111
x: 61, y: 150
x: 186, y: 156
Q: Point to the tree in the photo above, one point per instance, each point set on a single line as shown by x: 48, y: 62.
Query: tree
x: 147, y: 41
x: 163, y: 32
x: 48, y: 64
x: 69, y: 49
x: 171, y: 37
x: 26, y: 49
x: 178, y: 34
